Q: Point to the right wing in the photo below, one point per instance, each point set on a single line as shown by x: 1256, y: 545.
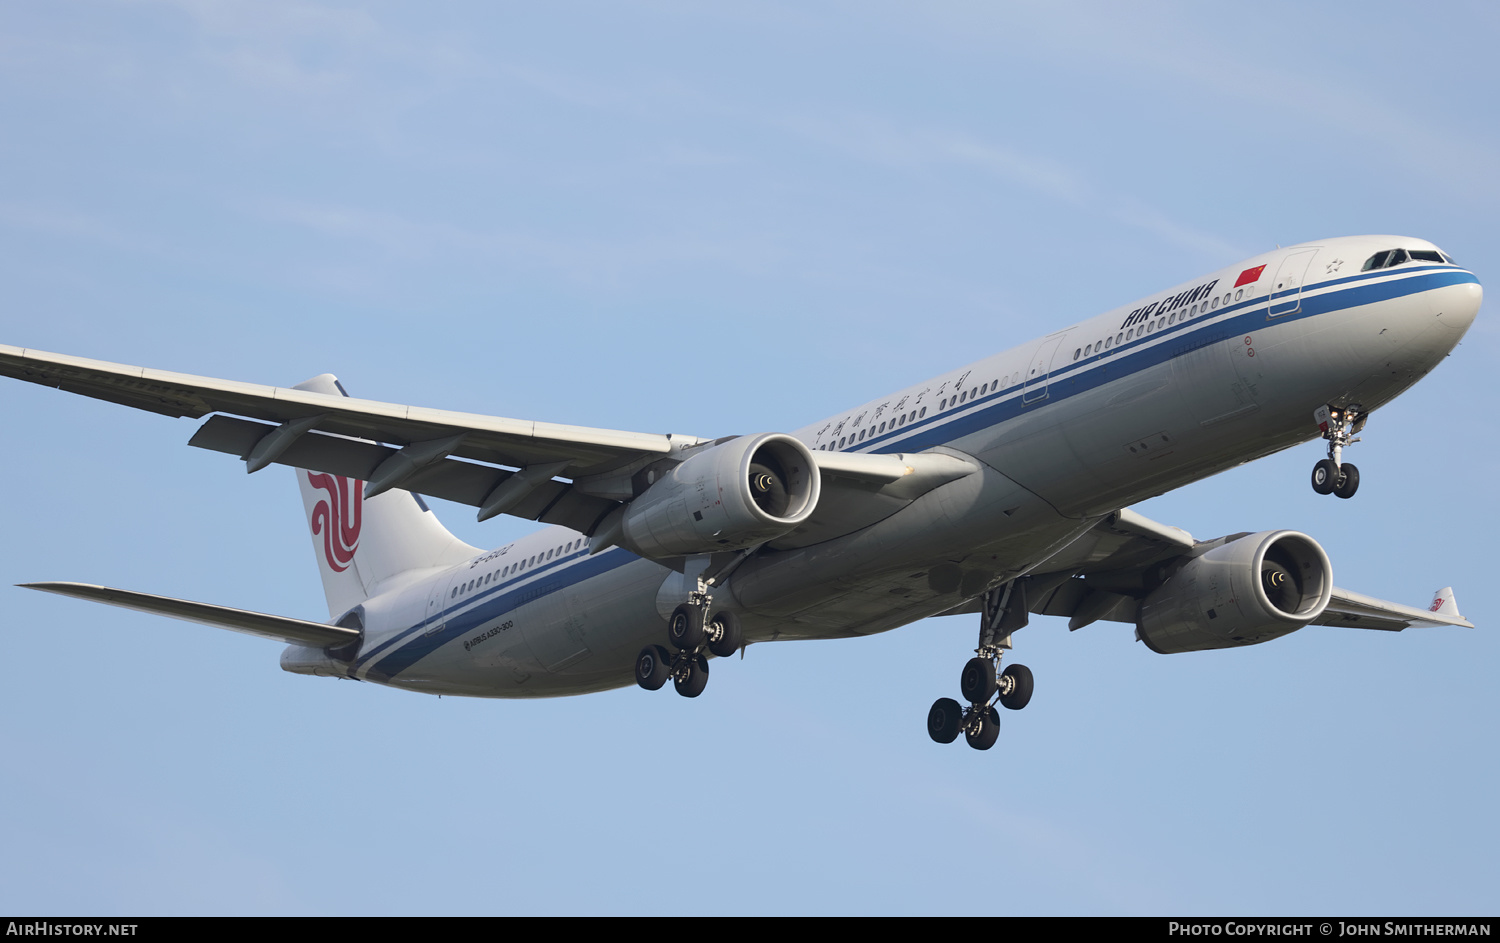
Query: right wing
x: 1106, y: 572
x: 1358, y: 611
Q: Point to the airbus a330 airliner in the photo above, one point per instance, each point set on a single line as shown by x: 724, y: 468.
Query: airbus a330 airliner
x: 1000, y: 488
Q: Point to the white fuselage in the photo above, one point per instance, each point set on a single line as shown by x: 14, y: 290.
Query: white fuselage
x: 1142, y: 399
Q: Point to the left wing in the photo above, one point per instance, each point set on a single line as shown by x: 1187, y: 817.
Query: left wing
x: 462, y: 457
x: 321, y: 432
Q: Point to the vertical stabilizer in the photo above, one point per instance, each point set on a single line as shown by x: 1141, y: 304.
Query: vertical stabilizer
x: 360, y: 542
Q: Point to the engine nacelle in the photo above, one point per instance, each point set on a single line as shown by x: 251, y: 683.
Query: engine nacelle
x: 1248, y: 591
x: 727, y: 497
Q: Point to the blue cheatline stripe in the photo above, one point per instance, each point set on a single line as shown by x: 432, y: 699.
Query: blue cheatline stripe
x: 1091, y: 372
x: 409, y: 646
x: 404, y: 649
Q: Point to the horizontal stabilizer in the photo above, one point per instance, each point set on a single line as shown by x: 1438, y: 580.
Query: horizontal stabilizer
x: 1358, y: 611
x: 280, y: 628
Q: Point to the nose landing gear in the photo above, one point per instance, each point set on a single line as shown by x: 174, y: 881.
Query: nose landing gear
x: 1341, y: 427
x: 982, y: 683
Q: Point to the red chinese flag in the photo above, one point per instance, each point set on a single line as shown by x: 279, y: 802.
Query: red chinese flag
x: 1249, y: 275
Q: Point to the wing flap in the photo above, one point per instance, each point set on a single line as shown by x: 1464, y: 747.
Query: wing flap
x: 279, y: 628
x: 551, y: 502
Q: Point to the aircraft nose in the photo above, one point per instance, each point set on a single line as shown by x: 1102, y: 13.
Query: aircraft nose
x: 1456, y: 306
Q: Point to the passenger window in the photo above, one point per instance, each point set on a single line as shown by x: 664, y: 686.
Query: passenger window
x: 1239, y: 294
x: 882, y: 428
x: 922, y: 413
x: 1077, y: 352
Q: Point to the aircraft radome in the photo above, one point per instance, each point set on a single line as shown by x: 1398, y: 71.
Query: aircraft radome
x: 1001, y: 488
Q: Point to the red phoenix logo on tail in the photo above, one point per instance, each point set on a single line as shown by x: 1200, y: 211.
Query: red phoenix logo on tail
x: 337, y: 517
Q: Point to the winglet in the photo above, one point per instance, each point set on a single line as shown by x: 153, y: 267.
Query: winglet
x: 1444, y: 604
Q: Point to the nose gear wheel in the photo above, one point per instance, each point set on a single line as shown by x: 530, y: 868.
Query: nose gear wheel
x: 1341, y: 427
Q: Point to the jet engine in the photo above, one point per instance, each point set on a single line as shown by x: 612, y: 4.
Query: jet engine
x: 1249, y: 590
x: 726, y: 497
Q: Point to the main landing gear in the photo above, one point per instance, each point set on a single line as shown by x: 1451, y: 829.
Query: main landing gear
x: 982, y: 683
x: 1340, y: 426
x: 692, y: 638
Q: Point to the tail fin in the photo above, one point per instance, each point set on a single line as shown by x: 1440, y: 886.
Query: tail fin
x: 363, y: 542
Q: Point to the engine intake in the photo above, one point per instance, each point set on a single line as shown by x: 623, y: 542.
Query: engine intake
x: 726, y: 497
x: 1244, y: 592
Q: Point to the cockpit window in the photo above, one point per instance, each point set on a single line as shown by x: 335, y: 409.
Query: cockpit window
x: 1385, y: 259
x: 1389, y: 257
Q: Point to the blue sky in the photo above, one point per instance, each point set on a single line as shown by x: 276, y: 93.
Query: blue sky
x: 721, y: 219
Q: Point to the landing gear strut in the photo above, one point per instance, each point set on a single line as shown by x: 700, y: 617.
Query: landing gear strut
x: 693, y: 634
x: 1341, y: 427
x: 982, y: 683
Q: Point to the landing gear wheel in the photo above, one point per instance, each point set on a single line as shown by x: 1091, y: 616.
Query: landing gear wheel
x: 988, y: 732
x: 685, y: 628
x: 653, y: 666
x: 1015, y: 687
x: 977, y: 683
x: 943, y: 720
x: 1349, y: 483
x: 1325, y: 476
x: 724, y: 634
x: 693, y: 678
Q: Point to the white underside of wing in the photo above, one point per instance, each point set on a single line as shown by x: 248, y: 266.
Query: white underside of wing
x: 1358, y: 611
